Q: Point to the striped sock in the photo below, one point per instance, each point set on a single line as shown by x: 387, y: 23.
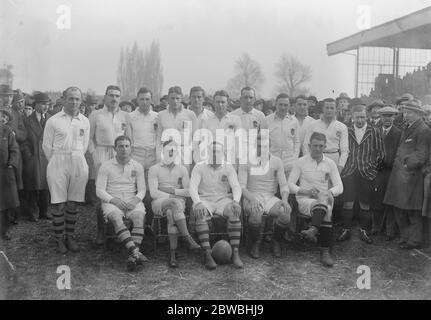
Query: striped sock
x: 124, y: 236
x: 137, y: 235
x: 70, y: 222
x: 234, y: 232
x: 58, y: 224
x: 203, y: 232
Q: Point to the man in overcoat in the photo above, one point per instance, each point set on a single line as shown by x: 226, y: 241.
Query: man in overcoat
x: 9, y: 159
x: 383, y: 216
x: 35, y: 161
x: 405, y: 191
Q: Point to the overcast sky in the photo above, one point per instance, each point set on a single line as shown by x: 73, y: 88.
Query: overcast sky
x: 199, y: 39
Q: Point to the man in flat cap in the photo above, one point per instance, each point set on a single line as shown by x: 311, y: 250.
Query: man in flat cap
x: 399, y: 119
x: 343, y: 113
x: 405, y: 191
x: 35, y: 161
x: 382, y: 215
x: 373, y: 113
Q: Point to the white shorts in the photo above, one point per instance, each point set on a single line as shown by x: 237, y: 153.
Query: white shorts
x: 67, y: 177
x: 305, y: 205
x: 107, y: 208
x: 145, y: 156
x: 156, y: 206
x: 216, y: 206
x: 265, y: 199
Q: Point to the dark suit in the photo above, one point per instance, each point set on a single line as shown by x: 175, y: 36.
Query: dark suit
x: 391, y: 141
x: 405, y: 190
x: 35, y: 164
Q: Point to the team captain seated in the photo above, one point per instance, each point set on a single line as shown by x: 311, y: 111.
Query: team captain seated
x: 209, y: 189
x: 315, y: 172
x: 120, y: 185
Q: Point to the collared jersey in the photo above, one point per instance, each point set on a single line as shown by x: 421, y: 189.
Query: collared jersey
x: 124, y: 182
x: 254, y: 119
x: 183, y: 119
x: 105, y: 127
x: 337, y: 138
x: 66, y: 134
x: 315, y: 175
x: 165, y: 176
x: 284, y: 137
x: 213, y: 184
x: 266, y: 183
x: 143, y: 129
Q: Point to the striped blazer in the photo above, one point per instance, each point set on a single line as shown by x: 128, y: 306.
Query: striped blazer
x: 367, y: 156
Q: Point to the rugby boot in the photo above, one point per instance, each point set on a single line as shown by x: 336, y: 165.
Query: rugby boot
x: 71, y: 244
x: 344, y: 235
x: 364, y: 236
x: 325, y: 257
x: 236, y: 259
x: 310, y: 234
x: 210, y: 264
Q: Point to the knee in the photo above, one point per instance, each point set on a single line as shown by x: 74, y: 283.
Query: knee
x: 116, y: 218
x: 229, y: 214
x: 71, y: 206
x: 138, y: 218
x: 284, y: 215
x: 255, y: 218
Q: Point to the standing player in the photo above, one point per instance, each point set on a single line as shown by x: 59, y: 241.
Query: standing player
x: 284, y: 133
x: 178, y: 123
x: 65, y: 141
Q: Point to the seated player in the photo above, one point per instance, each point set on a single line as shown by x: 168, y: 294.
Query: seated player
x: 169, y: 186
x: 120, y: 185
x: 210, y: 184
x: 315, y: 173
x: 259, y: 200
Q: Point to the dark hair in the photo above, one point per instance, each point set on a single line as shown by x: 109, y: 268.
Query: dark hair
x: 121, y: 138
x: 176, y: 90
x: 221, y: 93
x: 317, y: 136
x: 197, y: 89
x: 165, y: 143
x: 282, y: 96
x: 312, y: 98
x: 358, y: 108
x: 112, y: 87
x: 65, y: 92
x: 144, y: 90
x: 248, y: 89
x: 165, y: 97
x: 301, y: 97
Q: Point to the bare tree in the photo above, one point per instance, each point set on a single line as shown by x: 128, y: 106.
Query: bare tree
x: 136, y: 70
x: 247, y: 73
x: 292, y: 75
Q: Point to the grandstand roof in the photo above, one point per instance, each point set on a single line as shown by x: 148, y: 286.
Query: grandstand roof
x: 411, y: 31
